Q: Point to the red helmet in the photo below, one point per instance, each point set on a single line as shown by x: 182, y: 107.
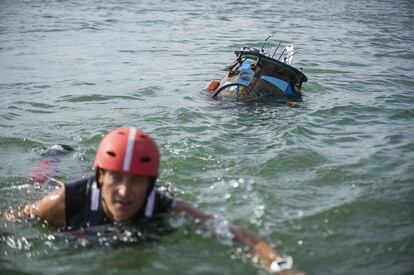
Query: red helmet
x: 128, y: 150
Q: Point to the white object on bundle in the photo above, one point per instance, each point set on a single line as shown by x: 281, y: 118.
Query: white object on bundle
x: 289, y: 54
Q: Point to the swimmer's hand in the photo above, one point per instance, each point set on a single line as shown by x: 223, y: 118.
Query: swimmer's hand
x: 51, y: 208
x: 19, y: 214
x: 268, y: 257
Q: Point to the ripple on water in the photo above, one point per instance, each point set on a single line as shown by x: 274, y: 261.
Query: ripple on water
x: 93, y: 98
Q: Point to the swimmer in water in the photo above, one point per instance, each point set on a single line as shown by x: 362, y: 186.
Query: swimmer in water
x: 123, y: 189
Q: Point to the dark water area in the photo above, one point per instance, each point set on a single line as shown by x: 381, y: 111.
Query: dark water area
x: 329, y: 181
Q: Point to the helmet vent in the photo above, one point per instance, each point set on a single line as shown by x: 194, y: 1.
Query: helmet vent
x: 145, y: 159
x: 112, y: 154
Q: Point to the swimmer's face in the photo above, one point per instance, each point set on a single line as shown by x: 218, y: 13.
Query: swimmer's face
x: 123, y: 194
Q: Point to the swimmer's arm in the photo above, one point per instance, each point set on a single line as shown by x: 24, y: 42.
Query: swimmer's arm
x: 259, y: 247
x: 51, y: 208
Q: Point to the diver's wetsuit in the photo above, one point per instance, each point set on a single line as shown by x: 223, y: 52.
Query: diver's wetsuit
x: 83, y: 204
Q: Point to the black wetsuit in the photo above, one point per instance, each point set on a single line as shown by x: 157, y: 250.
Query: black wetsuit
x: 83, y: 203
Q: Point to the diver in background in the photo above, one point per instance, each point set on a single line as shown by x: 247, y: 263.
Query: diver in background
x: 123, y: 189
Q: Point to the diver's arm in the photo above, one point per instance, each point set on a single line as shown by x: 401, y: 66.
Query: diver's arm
x: 241, y: 235
x: 188, y: 208
x: 51, y: 208
x: 259, y: 247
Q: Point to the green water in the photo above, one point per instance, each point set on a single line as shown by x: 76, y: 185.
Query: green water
x: 330, y: 181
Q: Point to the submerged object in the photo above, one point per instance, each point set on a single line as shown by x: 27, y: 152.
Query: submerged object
x: 46, y: 168
x: 56, y: 149
x: 255, y: 75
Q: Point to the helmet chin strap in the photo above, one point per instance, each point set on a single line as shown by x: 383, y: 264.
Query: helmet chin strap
x: 97, y: 173
x: 152, y: 181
